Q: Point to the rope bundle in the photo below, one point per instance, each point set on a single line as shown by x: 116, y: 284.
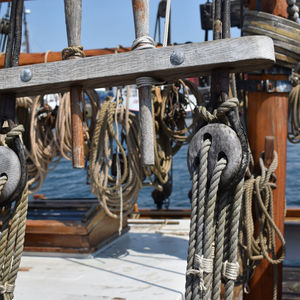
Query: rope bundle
x: 258, y: 194
x: 13, y: 224
x: 104, y: 141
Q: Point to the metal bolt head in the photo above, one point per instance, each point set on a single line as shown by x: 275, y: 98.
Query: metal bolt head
x: 26, y: 75
x: 177, y: 58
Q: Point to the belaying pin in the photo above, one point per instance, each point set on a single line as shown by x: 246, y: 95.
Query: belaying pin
x: 224, y: 143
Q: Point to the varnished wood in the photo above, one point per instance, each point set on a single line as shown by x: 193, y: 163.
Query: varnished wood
x: 73, y: 236
x: 269, y: 150
x: 52, y: 56
x: 267, y: 116
x: 238, y: 54
x: 73, y: 12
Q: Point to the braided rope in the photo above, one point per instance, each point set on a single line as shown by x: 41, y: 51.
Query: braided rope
x: 197, y: 215
x: 219, y: 112
x: 232, y: 239
x: 293, y: 10
x: 14, y: 132
x: 69, y: 52
x: 209, y: 226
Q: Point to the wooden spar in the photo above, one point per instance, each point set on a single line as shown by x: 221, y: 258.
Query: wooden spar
x: 51, y: 56
x: 73, y: 25
x: 234, y: 55
x: 141, y: 25
x: 268, y: 116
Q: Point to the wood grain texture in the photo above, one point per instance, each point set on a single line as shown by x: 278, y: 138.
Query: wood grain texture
x: 267, y: 116
x: 234, y: 55
x: 73, y: 12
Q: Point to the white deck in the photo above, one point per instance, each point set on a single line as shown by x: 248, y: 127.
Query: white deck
x: 148, y: 262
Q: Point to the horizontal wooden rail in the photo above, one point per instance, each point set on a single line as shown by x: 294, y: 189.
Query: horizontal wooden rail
x: 52, y: 56
x: 234, y: 55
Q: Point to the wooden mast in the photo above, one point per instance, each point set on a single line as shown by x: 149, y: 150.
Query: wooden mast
x: 268, y: 116
x: 73, y: 24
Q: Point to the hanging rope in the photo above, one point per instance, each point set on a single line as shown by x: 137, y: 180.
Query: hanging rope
x: 294, y: 110
x: 258, y: 194
x: 104, y: 141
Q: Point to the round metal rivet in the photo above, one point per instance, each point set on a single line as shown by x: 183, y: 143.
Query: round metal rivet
x: 26, y: 75
x: 176, y: 58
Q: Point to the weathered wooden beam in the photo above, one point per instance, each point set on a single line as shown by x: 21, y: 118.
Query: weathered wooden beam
x: 234, y: 55
x: 73, y: 12
x: 141, y: 25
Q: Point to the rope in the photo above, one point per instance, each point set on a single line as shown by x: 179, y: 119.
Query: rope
x: 13, y: 226
x: 72, y: 51
x: 293, y: 10
x: 143, y: 42
x: 294, y: 111
x: 103, y: 182
x: 258, y: 192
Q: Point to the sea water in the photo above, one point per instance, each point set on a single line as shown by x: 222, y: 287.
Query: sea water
x: 65, y: 182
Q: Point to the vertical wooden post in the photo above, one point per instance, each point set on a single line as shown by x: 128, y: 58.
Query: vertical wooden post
x: 268, y: 116
x: 141, y: 24
x: 73, y: 10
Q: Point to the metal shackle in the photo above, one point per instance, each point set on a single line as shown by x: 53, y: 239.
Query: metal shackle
x: 224, y: 142
x: 11, y: 167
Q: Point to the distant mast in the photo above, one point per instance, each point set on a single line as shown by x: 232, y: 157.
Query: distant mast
x: 26, y: 33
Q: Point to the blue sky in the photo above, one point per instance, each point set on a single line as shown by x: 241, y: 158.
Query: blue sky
x: 106, y: 23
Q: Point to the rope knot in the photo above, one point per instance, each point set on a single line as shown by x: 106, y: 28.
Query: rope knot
x: 6, y: 288
x: 14, y: 132
x: 72, y: 51
x: 143, y: 42
x: 221, y: 111
x: 3, y: 180
x: 230, y: 270
x: 202, y: 265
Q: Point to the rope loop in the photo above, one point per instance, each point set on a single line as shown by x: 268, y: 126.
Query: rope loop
x: 230, y: 270
x: 6, y: 288
x: 143, y: 42
x: 3, y: 180
x: 72, y: 51
x: 221, y: 111
x: 14, y: 132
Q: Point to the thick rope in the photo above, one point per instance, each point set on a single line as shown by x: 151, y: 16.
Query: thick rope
x: 258, y: 193
x: 294, y: 110
x: 100, y: 162
x: 197, y: 218
x: 72, y: 51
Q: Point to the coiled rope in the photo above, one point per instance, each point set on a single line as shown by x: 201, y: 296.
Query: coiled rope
x: 104, y: 140
x: 258, y: 194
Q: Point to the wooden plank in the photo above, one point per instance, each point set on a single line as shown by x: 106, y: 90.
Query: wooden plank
x: 55, y: 227
x: 234, y: 55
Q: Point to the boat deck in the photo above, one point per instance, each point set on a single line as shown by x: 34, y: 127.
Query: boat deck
x: 147, y: 262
